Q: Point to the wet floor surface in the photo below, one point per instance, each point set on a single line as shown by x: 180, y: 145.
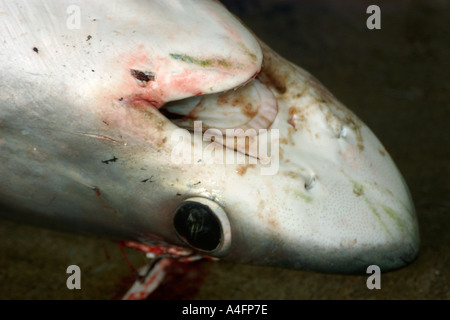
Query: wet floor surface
x: 395, y: 79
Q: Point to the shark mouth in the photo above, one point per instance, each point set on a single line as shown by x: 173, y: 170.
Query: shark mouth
x: 251, y: 106
x: 247, y: 110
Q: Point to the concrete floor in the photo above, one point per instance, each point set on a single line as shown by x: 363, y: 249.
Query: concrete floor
x: 395, y: 79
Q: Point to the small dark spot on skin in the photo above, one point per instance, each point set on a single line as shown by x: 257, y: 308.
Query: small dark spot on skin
x: 121, y: 99
x: 88, y: 38
x: 36, y: 50
x: 299, y: 95
x: 106, y: 123
x: 93, y: 70
x: 114, y: 159
x: 178, y: 194
x: 148, y: 179
x: 381, y: 152
x: 197, y: 183
x: 143, y: 76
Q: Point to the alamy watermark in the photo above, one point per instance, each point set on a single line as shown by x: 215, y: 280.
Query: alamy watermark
x: 373, y: 281
x: 236, y: 146
x: 374, y: 20
x: 74, y: 280
x: 73, y: 21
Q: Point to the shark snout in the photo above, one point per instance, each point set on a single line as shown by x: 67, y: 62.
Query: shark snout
x: 344, y: 223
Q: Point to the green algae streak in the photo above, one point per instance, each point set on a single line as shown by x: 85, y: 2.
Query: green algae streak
x: 303, y: 196
x: 202, y: 63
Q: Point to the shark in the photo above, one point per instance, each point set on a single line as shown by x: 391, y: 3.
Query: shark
x: 170, y: 123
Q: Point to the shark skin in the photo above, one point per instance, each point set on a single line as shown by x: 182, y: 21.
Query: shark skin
x: 85, y: 144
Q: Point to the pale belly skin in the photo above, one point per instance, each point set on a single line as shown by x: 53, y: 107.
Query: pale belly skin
x: 83, y: 146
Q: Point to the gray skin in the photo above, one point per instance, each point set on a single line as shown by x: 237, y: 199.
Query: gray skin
x: 84, y: 146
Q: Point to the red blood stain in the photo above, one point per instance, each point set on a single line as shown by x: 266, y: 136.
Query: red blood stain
x: 124, y: 254
x: 183, y: 280
x: 103, y: 202
x: 145, y: 248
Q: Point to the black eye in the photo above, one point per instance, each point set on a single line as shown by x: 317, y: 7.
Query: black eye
x: 197, y: 224
x: 201, y: 224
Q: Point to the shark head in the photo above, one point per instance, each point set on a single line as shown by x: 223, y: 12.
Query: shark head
x: 169, y: 122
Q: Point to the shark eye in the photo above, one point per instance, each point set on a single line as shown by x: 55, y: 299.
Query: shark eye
x: 203, y: 225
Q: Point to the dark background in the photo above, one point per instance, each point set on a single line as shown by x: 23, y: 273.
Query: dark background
x: 395, y: 79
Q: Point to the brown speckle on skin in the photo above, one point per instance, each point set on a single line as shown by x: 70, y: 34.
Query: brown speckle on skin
x: 249, y: 111
x: 268, y: 217
x: 242, y: 168
x: 299, y: 94
x: 348, y: 242
x: 273, y: 223
x: 35, y: 49
x: 223, y: 99
x: 360, y: 141
x: 281, y: 154
x: 381, y: 152
x: 290, y: 134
